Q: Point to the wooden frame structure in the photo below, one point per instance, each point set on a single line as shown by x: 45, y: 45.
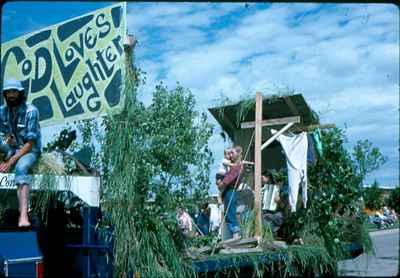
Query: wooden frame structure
x: 286, y: 113
x: 258, y: 147
x: 258, y: 124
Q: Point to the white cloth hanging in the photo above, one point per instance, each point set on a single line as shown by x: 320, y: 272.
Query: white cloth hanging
x: 295, y: 148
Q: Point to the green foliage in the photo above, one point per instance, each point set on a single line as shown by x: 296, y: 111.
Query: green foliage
x: 373, y: 197
x: 151, y: 156
x: 393, y: 200
x: 355, y: 230
x: 307, y: 259
x: 367, y: 158
x: 335, y: 197
x: 247, y: 227
x: 45, y: 198
x: 247, y: 103
x: 207, y: 240
x: 152, y: 159
x: 61, y: 143
x: 178, y: 137
x: 295, y: 261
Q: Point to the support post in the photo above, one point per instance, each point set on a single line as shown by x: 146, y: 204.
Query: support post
x: 270, y: 140
x: 129, y: 47
x: 257, y: 168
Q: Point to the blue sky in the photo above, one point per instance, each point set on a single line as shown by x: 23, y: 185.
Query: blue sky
x: 343, y: 58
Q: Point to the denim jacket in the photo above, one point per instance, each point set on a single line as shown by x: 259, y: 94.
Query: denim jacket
x: 27, y: 129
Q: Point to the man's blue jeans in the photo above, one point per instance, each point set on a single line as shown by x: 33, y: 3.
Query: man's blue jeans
x: 22, y: 168
x: 230, y: 211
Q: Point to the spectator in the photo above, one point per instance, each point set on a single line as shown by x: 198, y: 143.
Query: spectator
x: 184, y: 221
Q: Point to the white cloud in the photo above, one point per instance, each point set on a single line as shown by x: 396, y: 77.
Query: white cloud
x: 343, y: 58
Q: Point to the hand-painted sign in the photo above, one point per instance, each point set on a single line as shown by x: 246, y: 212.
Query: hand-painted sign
x: 72, y: 70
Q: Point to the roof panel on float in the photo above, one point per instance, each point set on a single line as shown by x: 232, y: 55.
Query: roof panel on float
x: 231, y: 116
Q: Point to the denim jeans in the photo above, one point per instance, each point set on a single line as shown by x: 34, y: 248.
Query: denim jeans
x: 22, y: 168
x: 230, y: 211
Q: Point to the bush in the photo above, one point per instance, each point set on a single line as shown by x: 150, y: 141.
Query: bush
x: 334, y: 194
x: 373, y: 197
x: 393, y: 201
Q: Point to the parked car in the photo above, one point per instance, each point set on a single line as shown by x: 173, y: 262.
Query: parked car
x: 379, y: 220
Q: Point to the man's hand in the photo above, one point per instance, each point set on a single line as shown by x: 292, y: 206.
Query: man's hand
x: 5, y: 167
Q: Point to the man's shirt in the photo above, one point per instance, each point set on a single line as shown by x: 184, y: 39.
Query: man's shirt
x: 24, y: 124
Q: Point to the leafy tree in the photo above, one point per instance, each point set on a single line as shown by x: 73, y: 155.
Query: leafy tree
x: 334, y: 213
x: 178, y: 137
x: 153, y: 159
x: 334, y: 190
x: 393, y: 201
x: 367, y: 158
x: 373, y: 197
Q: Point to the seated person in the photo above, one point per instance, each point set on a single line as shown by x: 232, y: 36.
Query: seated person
x: 21, y: 119
x: 273, y: 212
x: 203, y: 220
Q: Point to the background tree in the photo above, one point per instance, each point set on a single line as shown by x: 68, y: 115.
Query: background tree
x: 367, y: 158
x: 178, y: 137
x: 393, y: 201
x: 373, y: 197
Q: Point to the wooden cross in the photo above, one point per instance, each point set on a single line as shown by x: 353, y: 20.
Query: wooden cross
x: 258, y: 124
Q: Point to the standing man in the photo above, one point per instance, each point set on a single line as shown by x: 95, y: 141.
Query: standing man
x: 228, y: 187
x: 20, y: 129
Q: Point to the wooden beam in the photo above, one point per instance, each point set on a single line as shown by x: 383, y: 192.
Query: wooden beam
x: 270, y: 140
x: 257, y: 170
x: 312, y: 127
x: 272, y: 122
